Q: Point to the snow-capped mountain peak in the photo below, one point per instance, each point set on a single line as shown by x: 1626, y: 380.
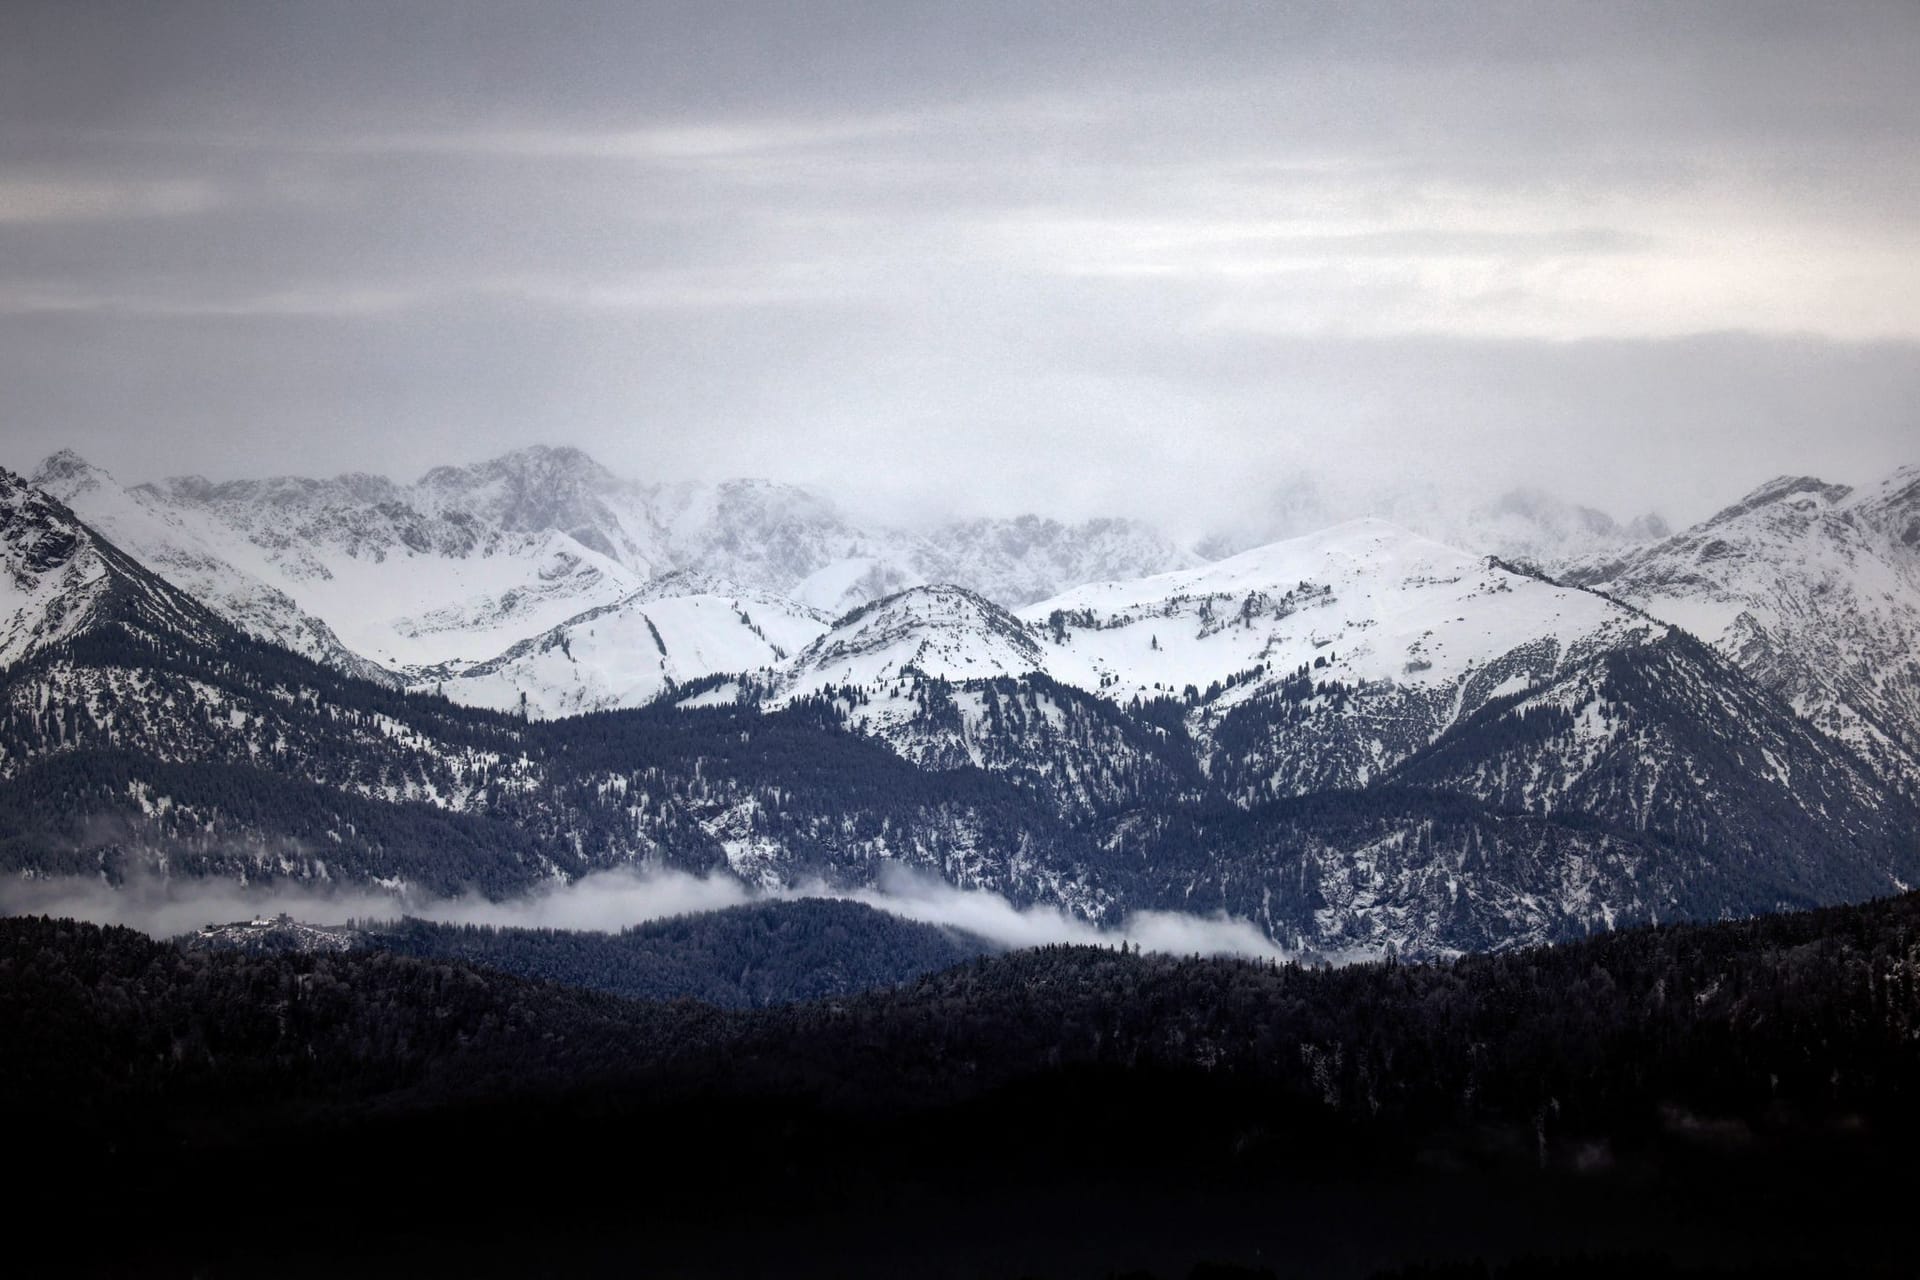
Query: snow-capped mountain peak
x: 470, y: 561
x: 407, y: 575
x: 201, y: 557
x: 547, y: 489
x: 48, y: 583
x: 939, y: 633
x: 65, y: 473
x: 1811, y: 587
x: 545, y: 472
x: 785, y: 538
x: 1367, y: 599
x: 671, y: 632
x: 59, y: 579
x: 1802, y: 494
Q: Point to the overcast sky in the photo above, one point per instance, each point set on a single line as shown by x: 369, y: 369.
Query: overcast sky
x: 1155, y: 259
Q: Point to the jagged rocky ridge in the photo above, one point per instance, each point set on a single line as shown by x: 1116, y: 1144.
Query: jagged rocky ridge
x: 396, y: 582
x: 1811, y: 588
x: 466, y: 580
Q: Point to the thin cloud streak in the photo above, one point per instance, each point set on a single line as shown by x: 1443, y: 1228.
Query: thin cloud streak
x: 60, y: 199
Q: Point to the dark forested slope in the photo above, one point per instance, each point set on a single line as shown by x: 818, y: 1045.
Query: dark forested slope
x: 1679, y: 1076
x: 763, y: 953
x: 1794, y: 1016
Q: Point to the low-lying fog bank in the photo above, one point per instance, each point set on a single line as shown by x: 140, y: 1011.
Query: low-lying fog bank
x: 607, y: 901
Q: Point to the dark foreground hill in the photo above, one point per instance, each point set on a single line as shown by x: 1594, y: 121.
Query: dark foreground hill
x: 748, y: 956
x: 1729, y: 1095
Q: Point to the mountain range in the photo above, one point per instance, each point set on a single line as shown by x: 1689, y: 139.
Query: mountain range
x: 1360, y: 739
x: 415, y: 583
x: 469, y: 561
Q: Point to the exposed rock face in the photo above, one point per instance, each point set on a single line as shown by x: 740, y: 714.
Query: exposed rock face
x: 402, y: 583
x: 1814, y: 590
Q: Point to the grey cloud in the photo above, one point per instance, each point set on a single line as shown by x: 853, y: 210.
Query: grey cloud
x: 1075, y: 422
x: 165, y: 907
x: 993, y: 256
x: 52, y: 200
x: 342, y: 60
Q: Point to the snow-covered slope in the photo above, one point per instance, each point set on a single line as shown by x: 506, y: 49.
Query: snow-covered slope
x: 947, y: 679
x: 1318, y: 662
x: 1367, y: 601
x: 51, y: 578
x: 675, y: 630
x: 1322, y: 661
x: 930, y: 633
x: 59, y: 580
x: 201, y: 558
x: 1813, y: 589
x: 469, y: 563
x: 407, y: 576
x: 1670, y: 739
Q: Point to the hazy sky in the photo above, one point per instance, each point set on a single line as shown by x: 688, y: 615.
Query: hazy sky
x: 1161, y: 259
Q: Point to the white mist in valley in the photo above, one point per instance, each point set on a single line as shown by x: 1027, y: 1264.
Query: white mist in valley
x: 915, y: 895
x: 607, y: 901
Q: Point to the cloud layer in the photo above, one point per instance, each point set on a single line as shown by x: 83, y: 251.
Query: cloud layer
x: 1064, y: 256
x: 607, y: 901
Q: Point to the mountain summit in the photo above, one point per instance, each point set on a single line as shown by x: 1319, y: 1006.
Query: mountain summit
x: 1814, y: 589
